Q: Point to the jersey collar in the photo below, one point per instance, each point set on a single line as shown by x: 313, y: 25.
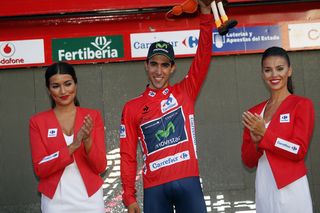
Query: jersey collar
x: 160, y: 93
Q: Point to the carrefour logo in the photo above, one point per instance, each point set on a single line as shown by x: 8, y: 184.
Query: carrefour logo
x: 7, y: 49
x: 123, y: 131
x: 87, y: 48
x: 170, y: 160
x: 52, y: 132
x: 285, y: 118
x: 168, y: 104
x: 191, y: 42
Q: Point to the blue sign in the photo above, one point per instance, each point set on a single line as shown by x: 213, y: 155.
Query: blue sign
x: 247, y: 39
x: 165, y: 131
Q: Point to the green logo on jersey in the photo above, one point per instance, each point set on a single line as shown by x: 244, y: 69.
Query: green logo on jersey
x: 165, y: 133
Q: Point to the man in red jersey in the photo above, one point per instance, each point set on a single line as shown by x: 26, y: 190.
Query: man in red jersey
x: 162, y: 121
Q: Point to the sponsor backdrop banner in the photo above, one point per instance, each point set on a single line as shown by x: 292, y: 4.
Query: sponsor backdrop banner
x: 21, y: 52
x: 246, y: 39
x: 304, y: 35
x: 243, y: 39
x: 183, y: 42
x: 87, y: 48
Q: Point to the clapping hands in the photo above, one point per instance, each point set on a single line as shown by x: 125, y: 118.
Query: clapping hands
x: 256, y: 125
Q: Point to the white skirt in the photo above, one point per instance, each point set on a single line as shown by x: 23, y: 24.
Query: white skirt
x: 71, y: 195
x: 293, y: 198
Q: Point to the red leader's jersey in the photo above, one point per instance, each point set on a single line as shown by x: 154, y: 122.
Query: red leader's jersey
x: 163, y: 122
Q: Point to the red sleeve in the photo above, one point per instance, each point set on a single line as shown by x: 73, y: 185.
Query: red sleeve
x: 128, y: 152
x: 200, y: 65
x: 249, y: 154
x: 97, y: 155
x: 294, y: 146
x: 46, y: 163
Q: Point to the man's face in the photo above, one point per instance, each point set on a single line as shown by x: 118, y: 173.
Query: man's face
x: 159, y: 69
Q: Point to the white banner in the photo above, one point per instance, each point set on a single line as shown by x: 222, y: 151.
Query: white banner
x: 21, y: 52
x: 305, y: 35
x: 183, y: 42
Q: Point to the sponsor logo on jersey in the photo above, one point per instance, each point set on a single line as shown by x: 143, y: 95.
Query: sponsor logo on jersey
x: 145, y: 109
x: 165, y: 91
x: 52, y: 132
x: 152, y: 93
x: 285, y: 118
x: 122, y: 131
x: 166, y: 131
x: 170, y: 160
x: 193, y: 134
x: 287, y: 145
x: 168, y: 104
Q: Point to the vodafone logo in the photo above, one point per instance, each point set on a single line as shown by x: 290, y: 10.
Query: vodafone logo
x: 7, y: 49
x: 18, y: 52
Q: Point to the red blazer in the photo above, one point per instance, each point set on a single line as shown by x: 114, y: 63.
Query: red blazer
x: 50, y: 154
x: 286, y: 140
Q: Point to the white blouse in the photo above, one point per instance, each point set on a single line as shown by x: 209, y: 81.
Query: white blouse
x: 71, y: 195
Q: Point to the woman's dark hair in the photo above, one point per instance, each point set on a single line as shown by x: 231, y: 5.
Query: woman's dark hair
x: 278, y: 51
x: 60, y: 68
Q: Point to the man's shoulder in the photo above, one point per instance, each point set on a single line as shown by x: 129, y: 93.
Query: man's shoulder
x: 134, y: 101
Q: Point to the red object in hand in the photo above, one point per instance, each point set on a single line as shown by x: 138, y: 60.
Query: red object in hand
x: 189, y: 6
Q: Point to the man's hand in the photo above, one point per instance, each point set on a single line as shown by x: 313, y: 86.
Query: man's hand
x: 134, y: 208
x: 205, y: 7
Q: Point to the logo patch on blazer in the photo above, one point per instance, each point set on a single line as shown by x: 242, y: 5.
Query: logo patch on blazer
x: 287, y: 146
x: 285, y: 118
x: 52, y: 132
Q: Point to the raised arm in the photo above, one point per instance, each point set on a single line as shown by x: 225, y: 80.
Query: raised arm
x: 200, y: 65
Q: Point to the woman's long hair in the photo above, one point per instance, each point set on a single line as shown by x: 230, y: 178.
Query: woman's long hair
x: 278, y: 51
x: 60, y: 68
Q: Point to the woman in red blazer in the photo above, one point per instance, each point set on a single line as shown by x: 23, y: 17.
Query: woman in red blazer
x: 68, y: 148
x: 276, y: 138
